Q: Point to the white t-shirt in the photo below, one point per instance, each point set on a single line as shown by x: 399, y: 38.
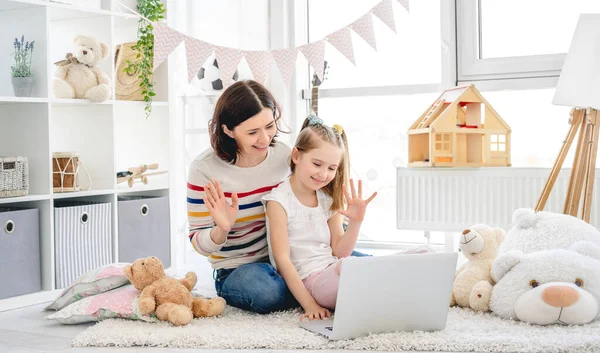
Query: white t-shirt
x: 308, y: 232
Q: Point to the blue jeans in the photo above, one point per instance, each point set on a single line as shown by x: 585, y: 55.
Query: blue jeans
x: 256, y: 287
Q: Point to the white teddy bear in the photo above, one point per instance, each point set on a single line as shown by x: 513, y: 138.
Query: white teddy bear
x: 78, y: 76
x: 473, y: 281
x: 548, y: 270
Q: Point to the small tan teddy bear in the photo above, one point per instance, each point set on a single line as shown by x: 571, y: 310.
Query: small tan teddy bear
x: 78, y: 75
x: 473, y: 282
x: 169, y: 298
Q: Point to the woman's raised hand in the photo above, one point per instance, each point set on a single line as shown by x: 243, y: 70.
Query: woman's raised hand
x: 222, y: 213
x: 356, y: 206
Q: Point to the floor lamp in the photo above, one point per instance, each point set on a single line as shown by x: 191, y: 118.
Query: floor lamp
x: 579, y: 87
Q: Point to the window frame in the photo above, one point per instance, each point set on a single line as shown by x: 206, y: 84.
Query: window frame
x: 448, y: 79
x: 472, y: 68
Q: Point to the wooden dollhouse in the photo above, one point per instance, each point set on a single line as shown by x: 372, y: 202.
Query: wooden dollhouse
x: 460, y: 129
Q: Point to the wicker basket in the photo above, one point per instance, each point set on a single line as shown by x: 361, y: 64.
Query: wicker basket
x: 14, y: 176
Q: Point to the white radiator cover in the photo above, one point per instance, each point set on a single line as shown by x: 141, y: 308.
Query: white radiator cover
x: 452, y: 199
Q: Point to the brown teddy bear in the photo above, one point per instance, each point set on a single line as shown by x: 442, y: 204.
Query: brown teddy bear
x: 168, y: 297
x: 473, y: 282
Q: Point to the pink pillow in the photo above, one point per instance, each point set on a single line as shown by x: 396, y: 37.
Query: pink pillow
x: 97, y: 281
x: 121, y: 302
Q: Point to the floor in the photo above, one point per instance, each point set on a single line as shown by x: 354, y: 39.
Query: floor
x: 26, y: 331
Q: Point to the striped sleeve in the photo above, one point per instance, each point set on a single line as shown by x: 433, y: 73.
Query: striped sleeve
x: 200, y: 220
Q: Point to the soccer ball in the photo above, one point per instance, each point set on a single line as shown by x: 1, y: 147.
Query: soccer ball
x: 210, y: 79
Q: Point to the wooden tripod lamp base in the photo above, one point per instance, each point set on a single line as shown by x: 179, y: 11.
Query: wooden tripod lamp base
x: 581, y: 182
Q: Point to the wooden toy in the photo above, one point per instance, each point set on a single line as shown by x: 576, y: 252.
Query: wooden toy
x: 138, y: 173
x: 65, y: 172
x: 460, y: 129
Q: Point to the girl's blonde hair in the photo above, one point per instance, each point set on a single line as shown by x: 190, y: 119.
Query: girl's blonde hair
x: 312, y: 134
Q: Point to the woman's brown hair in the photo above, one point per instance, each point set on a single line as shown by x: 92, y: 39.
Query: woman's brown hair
x: 313, y: 133
x: 238, y: 103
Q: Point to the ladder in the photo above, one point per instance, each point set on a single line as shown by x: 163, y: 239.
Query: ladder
x: 433, y: 111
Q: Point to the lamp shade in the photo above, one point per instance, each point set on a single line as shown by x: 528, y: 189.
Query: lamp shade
x: 579, y: 82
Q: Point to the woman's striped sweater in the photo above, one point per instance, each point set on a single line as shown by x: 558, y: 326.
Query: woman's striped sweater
x: 247, y: 241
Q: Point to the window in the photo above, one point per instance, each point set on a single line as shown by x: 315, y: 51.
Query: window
x: 532, y: 43
x: 443, y: 143
x: 498, y: 143
x: 538, y: 128
x: 391, y: 64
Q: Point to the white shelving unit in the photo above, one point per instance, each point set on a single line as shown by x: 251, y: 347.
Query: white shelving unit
x: 109, y: 137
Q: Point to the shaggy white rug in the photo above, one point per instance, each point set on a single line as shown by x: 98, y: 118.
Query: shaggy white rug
x: 466, y: 331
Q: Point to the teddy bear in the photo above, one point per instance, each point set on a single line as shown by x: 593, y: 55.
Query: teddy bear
x: 547, y: 270
x: 78, y: 76
x: 472, y: 285
x: 168, y: 297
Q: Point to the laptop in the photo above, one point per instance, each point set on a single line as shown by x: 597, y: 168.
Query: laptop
x: 379, y: 294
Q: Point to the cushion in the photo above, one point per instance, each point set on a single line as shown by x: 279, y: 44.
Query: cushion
x: 97, y: 281
x: 121, y: 302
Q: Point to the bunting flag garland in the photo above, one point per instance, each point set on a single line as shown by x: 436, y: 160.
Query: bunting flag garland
x: 315, y: 55
x: 167, y: 39
x: 342, y: 41
x: 259, y: 63
x: 383, y: 10
x: 286, y: 62
x: 364, y: 28
x: 228, y: 59
x: 197, y: 52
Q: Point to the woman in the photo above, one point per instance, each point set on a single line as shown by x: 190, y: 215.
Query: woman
x: 244, y: 163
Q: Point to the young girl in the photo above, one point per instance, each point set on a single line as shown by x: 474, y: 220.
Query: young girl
x: 305, y: 213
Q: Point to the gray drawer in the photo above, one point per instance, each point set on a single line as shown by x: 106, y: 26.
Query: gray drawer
x: 144, y: 228
x: 83, y: 238
x: 19, y: 252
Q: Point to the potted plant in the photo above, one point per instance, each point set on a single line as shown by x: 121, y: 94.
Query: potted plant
x: 153, y: 10
x: 22, y: 78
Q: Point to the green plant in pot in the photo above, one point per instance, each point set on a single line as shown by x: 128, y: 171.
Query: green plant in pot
x: 154, y: 11
x: 22, y: 77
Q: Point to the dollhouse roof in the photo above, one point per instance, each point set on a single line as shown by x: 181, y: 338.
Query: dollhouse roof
x: 452, y: 97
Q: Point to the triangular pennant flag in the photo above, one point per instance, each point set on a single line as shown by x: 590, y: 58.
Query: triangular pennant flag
x: 315, y: 55
x: 228, y: 60
x: 259, y: 63
x: 342, y: 41
x: 364, y: 28
x: 197, y: 52
x: 165, y: 41
x: 405, y: 4
x: 286, y: 62
x: 385, y: 12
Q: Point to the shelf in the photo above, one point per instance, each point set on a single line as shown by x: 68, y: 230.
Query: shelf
x: 65, y: 11
x: 140, y: 103
x: 26, y: 198
x: 127, y: 190
x: 68, y: 195
x: 16, y: 100
x: 108, y: 102
x: 75, y: 194
x: 23, y: 100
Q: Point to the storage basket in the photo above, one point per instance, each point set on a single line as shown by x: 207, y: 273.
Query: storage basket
x: 144, y: 228
x: 14, y: 176
x: 20, y: 271
x: 82, y: 238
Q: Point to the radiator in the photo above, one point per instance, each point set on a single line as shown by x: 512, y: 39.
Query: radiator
x: 452, y: 199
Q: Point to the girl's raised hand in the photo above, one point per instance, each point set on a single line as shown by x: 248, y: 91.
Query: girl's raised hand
x: 222, y: 213
x: 356, y: 206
